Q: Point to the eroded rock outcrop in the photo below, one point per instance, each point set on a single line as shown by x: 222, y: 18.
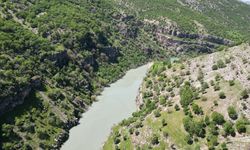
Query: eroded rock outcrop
x: 9, y: 103
x: 170, y: 36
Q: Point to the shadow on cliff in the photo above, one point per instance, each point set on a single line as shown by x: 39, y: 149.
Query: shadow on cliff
x: 9, y: 118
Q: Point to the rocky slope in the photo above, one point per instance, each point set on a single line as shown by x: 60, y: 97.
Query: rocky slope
x: 199, y: 103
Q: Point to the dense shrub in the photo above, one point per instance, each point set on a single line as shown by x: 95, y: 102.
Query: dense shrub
x: 197, y: 109
x: 232, y: 113
x: 231, y: 83
x: 187, y: 95
x: 222, y: 95
x: 229, y: 129
x: 218, y: 118
x: 241, y: 125
x: 194, y: 127
x: 155, y: 140
x: 215, y: 67
x: 221, y: 64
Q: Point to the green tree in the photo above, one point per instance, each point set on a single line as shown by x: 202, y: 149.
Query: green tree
x: 229, y: 129
x: 187, y: 95
x: 224, y: 146
x: 155, y: 140
x: 218, y: 118
x: 177, y: 108
x: 197, y: 110
x: 232, y: 113
x: 222, y: 95
x: 241, y: 125
x: 221, y: 64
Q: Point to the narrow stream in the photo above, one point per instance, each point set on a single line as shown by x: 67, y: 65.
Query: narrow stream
x: 116, y: 103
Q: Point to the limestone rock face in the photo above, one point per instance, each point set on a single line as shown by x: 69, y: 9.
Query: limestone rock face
x: 10, y: 102
x: 170, y: 36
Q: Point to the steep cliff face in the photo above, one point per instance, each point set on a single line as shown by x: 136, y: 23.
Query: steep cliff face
x: 8, y: 103
x: 169, y: 35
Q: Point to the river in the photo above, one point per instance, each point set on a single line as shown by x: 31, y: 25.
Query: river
x: 116, y: 103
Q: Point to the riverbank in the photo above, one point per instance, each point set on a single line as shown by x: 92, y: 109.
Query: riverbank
x: 124, y: 90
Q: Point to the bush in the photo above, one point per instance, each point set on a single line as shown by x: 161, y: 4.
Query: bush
x: 155, y: 140
x: 244, y: 94
x: 187, y: 95
x: 221, y: 64
x: 212, y: 82
x: 117, y: 140
x: 55, y: 95
x: 212, y: 128
x: 218, y: 118
x: 222, y: 95
x: 224, y: 146
x: 215, y: 67
x: 204, y: 86
x: 41, y: 133
x: 229, y: 129
x: 189, y: 139
x: 216, y: 87
x: 232, y: 113
x: 231, y: 83
x: 163, y: 122
x: 217, y: 77
x: 241, y: 125
x: 162, y: 101
x: 197, y: 110
x: 131, y: 130
x: 194, y: 127
x: 248, y: 77
x: 203, y: 98
x: 137, y: 132
x: 157, y: 113
x: 177, y: 108
x: 215, y: 103
x: 7, y: 130
x: 207, y: 120
x: 212, y: 141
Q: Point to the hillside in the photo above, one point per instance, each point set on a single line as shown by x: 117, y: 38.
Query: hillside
x: 225, y: 18
x: 199, y: 103
x: 56, y: 56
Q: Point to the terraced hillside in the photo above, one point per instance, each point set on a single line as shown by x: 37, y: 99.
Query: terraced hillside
x: 199, y: 103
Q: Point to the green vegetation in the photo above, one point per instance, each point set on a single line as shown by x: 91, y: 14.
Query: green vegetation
x: 59, y: 55
x: 219, y: 20
x: 204, y: 120
x: 241, y: 125
x: 229, y: 129
x: 244, y: 94
x: 222, y: 95
x: 232, y: 113
x: 187, y: 95
x: 218, y: 118
x: 56, y: 56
